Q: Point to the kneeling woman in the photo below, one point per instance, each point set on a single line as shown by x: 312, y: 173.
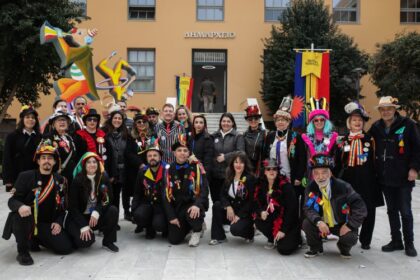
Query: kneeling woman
x: 89, y: 205
x: 277, y: 211
x: 236, y: 202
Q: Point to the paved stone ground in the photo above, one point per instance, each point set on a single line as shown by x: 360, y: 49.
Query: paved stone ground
x: 156, y: 259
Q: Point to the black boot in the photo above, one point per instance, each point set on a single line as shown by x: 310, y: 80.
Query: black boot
x: 128, y: 216
x: 25, y: 259
x: 393, y: 246
x: 150, y: 233
x: 410, y: 250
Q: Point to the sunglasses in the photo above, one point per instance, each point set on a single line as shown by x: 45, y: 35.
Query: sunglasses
x: 253, y: 118
x: 319, y: 120
x: 141, y: 122
x: 271, y: 168
x: 80, y: 104
x: 91, y: 119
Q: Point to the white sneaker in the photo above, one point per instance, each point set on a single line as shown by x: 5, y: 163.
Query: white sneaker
x: 195, y: 239
x: 269, y: 246
x: 226, y: 228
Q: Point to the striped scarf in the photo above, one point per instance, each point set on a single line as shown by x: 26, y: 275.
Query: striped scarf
x: 356, y: 150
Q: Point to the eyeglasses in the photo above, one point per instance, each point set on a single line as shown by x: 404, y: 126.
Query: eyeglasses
x: 271, y: 168
x: 91, y: 119
x: 253, y: 119
x: 319, y: 120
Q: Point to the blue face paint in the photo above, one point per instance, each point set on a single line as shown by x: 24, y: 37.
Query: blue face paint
x: 88, y: 40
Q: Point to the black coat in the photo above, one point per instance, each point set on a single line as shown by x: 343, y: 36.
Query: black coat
x: 255, y: 146
x: 232, y: 142
x: 79, y: 195
x: 393, y: 170
x: 18, y: 155
x: 149, y: 190
x: 286, y: 207
x: 201, y: 145
x: 177, y: 197
x: 342, y: 194
x: 361, y: 177
x: 68, y: 157
x: 296, y: 153
x: 25, y: 185
x: 243, y: 205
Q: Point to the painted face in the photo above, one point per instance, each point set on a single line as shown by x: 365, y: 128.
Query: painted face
x: 61, y: 124
x: 238, y: 166
x: 271, y: 172
x: 253, y: 122
x: 117, y: 120
x: 182, y: 115
x: 61, y: 106
x: 29, y: 121
x: 387, y: 113
x: 181, y: 154
x: 153, y: 158
x: 46, y: 162
x: 321, y: 176
x: 282, y: 123
x: 356, y: 123
x: 198, y: 125
x: 226, y: 124
x: 319, y: 122
x: 91, y: 166
x: 168, y: 114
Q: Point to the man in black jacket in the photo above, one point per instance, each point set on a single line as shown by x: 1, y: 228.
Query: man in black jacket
x: 38, y: 206
x: 185, y: 196
x: 397, y: 165
x: 331, y: 206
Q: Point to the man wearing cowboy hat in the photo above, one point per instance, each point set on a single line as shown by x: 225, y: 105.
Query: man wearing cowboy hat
x: 38, y: 208
x: 151, y: 181
x: 397, y: 165
x: 331, y: 206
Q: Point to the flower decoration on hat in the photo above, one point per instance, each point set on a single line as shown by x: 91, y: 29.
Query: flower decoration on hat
x: 321, y: 161
x: 355, y: 108
x: 252, y: 111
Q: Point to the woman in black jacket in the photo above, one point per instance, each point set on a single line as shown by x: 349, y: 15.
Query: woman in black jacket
x: 227, y: 141
x: 236, y: 202
x: 255, y: 138
x: 89, y: 205
x: 117, y: 137
x: 276, y: 210
x: 201, y: 143
x: 20, y: 147
x: 59, y: 123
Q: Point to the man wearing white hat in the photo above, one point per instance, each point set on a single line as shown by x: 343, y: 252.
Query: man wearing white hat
x: 397, y: 165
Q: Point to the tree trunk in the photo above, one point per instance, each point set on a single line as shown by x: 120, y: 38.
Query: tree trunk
x: 7, y: 104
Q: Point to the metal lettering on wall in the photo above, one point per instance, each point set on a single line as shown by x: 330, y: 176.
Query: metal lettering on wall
x: 209, y: 35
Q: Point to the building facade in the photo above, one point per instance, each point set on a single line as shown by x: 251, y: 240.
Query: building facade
x: 219, y: 39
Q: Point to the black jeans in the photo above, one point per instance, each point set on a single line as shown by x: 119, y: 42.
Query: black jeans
x: 23, y: 231
x: 243, y: 228
x: 286, y: 245
x: 107, y: 223
x: 366, y: 231
x: 151, y: 217
x: 216, y: 185
x: 315, y: 241
x: 398, y: 202
x: 177, y: 234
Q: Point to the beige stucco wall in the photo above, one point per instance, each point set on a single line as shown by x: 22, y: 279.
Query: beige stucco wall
x: 379, y: 21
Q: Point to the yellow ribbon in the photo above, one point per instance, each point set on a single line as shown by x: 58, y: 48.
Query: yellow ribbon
x: 326, y: 208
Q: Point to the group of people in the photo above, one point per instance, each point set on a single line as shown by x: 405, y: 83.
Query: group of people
x: 67, y: 182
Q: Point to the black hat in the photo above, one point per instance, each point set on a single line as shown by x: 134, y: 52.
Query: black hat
x: 152, y: 145
x: 58, y: 114
x: 252, y: 111
x: 321, y: 161
x: 92, y: 113
x: 152, y: 111
x: 140, y: 116
x: 27, y: 110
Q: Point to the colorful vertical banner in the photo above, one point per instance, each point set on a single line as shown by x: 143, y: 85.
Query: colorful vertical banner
x: 312, y: 79
x: 184, y: 89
